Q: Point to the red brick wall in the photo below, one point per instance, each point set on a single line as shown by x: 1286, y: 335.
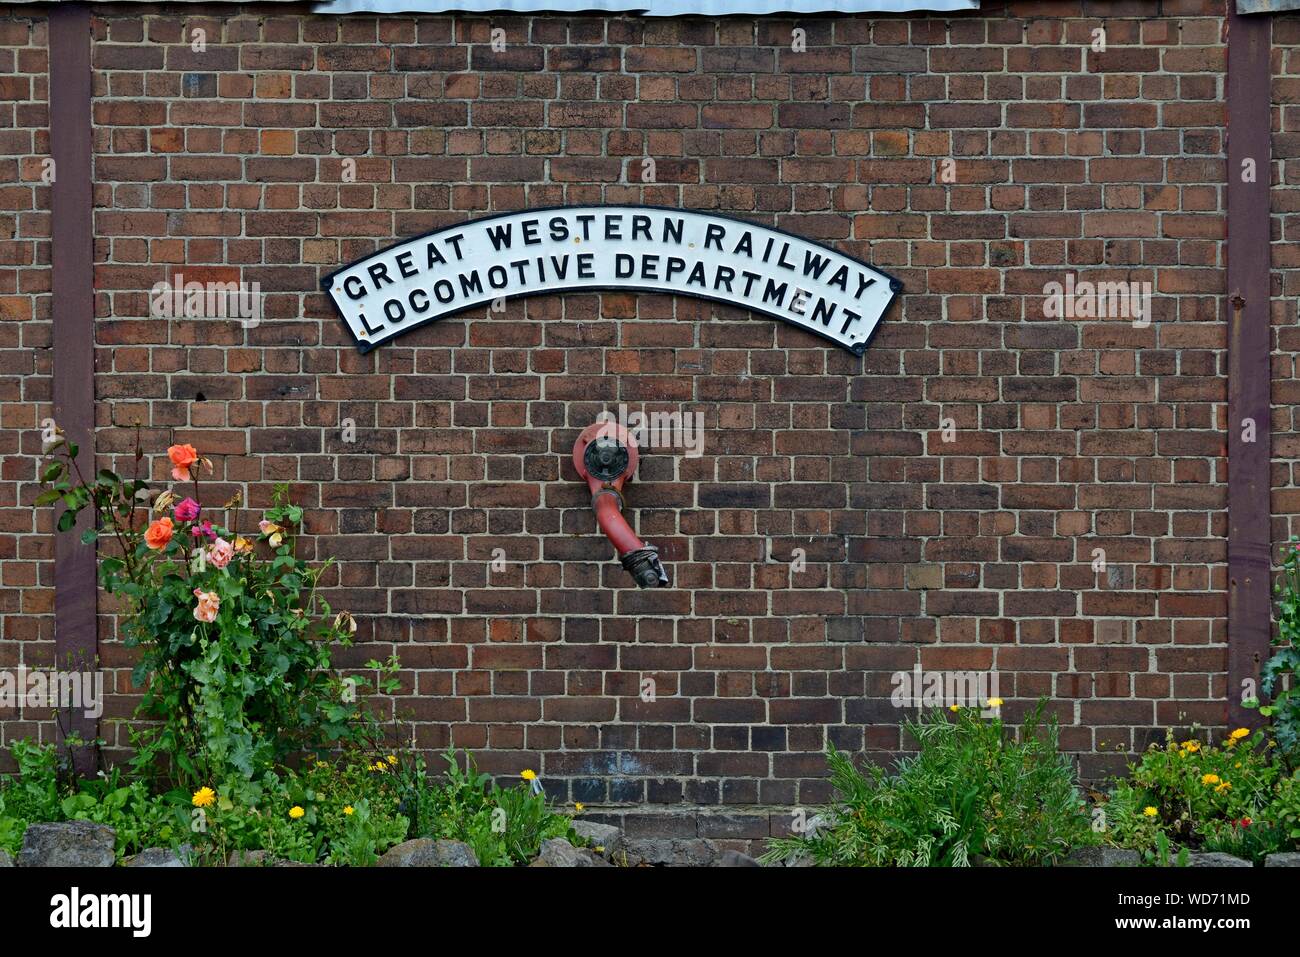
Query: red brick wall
x: 1071, y: 435
x: 26, y: 572
x: 1285, y: 196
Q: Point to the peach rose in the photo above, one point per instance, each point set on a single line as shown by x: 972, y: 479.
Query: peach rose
x: 158, y: 534
x: 206, y: 610
x: 221, y: 553
x: 183, y: 458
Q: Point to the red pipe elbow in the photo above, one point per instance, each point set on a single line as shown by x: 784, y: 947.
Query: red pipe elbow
x: 608, y: 504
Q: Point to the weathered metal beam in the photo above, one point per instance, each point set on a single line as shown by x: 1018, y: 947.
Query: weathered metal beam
x: 1266, y: 6
x: 72, y: 234
x: 1249, y: 445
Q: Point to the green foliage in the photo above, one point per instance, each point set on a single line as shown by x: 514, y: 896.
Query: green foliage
x: 139, y: 819
x: 30, y: 796
x: 1280, y: 670
x: 1197, y: 795
x: 972, y: 789
x: 504, y: 826
x: 349, y: 815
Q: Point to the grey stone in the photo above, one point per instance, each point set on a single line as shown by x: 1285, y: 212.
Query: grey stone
x: 1283, y: 859
x: 250, y: 859
x: 455, y: 854
x: 155, y: 857
x: 735, y: 859
x: 6, y: 859
x: 672, y: 852
x: 557, y: 852
x: 605, y: 839
x: 68, y: 844
x: 1215, y: 859
x: 1099, y: 856
x: 426, y: 852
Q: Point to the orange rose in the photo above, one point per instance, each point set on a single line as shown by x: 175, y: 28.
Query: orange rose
x: 183, y: 458
x: 158, y: 534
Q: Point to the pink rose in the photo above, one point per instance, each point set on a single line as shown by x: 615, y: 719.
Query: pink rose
x: 221, y: 553
x: 209, y: 602
x: 187, y: 510
x: 203, y: 530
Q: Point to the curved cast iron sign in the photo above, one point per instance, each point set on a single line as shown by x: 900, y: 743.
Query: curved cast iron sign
x: 633, y: 248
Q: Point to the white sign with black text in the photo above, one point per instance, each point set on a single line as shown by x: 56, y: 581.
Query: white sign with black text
x: 633, y: 248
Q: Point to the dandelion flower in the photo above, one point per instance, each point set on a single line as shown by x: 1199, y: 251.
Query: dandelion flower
x: 1150, y: 811
x: 1210, y: 779
x: 995, y: 703
x: 392, y: 759
x: 1192, y: 746
x: 579, y: 807
x: 296, y: 812
x: 349, y: 810
x: 954, y: 707
x: 1239, y: 734
x: 528, y: 774
x: 203, y: 797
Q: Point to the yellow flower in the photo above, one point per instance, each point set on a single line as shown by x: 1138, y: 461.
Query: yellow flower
x: 579, y: 807
x: 954, y: 707
x: 1192, y: 746
x: 392, y: 759
x: 528, y: 774
x: 1223, y: 788
x: 203, y: 797
x: 994, y: 703
x: 296, y: 812
x: 1239, y: 734
x: 322, y: 764
x: 1150, y: 811
x: 349, y: 811
x: 1210, y: 779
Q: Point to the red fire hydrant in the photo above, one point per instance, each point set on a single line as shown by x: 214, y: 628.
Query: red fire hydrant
x: 605, y: 456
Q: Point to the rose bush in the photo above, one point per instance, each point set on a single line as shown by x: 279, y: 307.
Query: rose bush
x: 234, y: 640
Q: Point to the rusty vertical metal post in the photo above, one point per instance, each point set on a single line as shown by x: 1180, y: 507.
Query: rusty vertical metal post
x: 72, y: 235
x: 1249, y: 342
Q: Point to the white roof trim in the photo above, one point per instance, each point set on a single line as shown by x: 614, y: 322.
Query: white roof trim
x: 652, y: 8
